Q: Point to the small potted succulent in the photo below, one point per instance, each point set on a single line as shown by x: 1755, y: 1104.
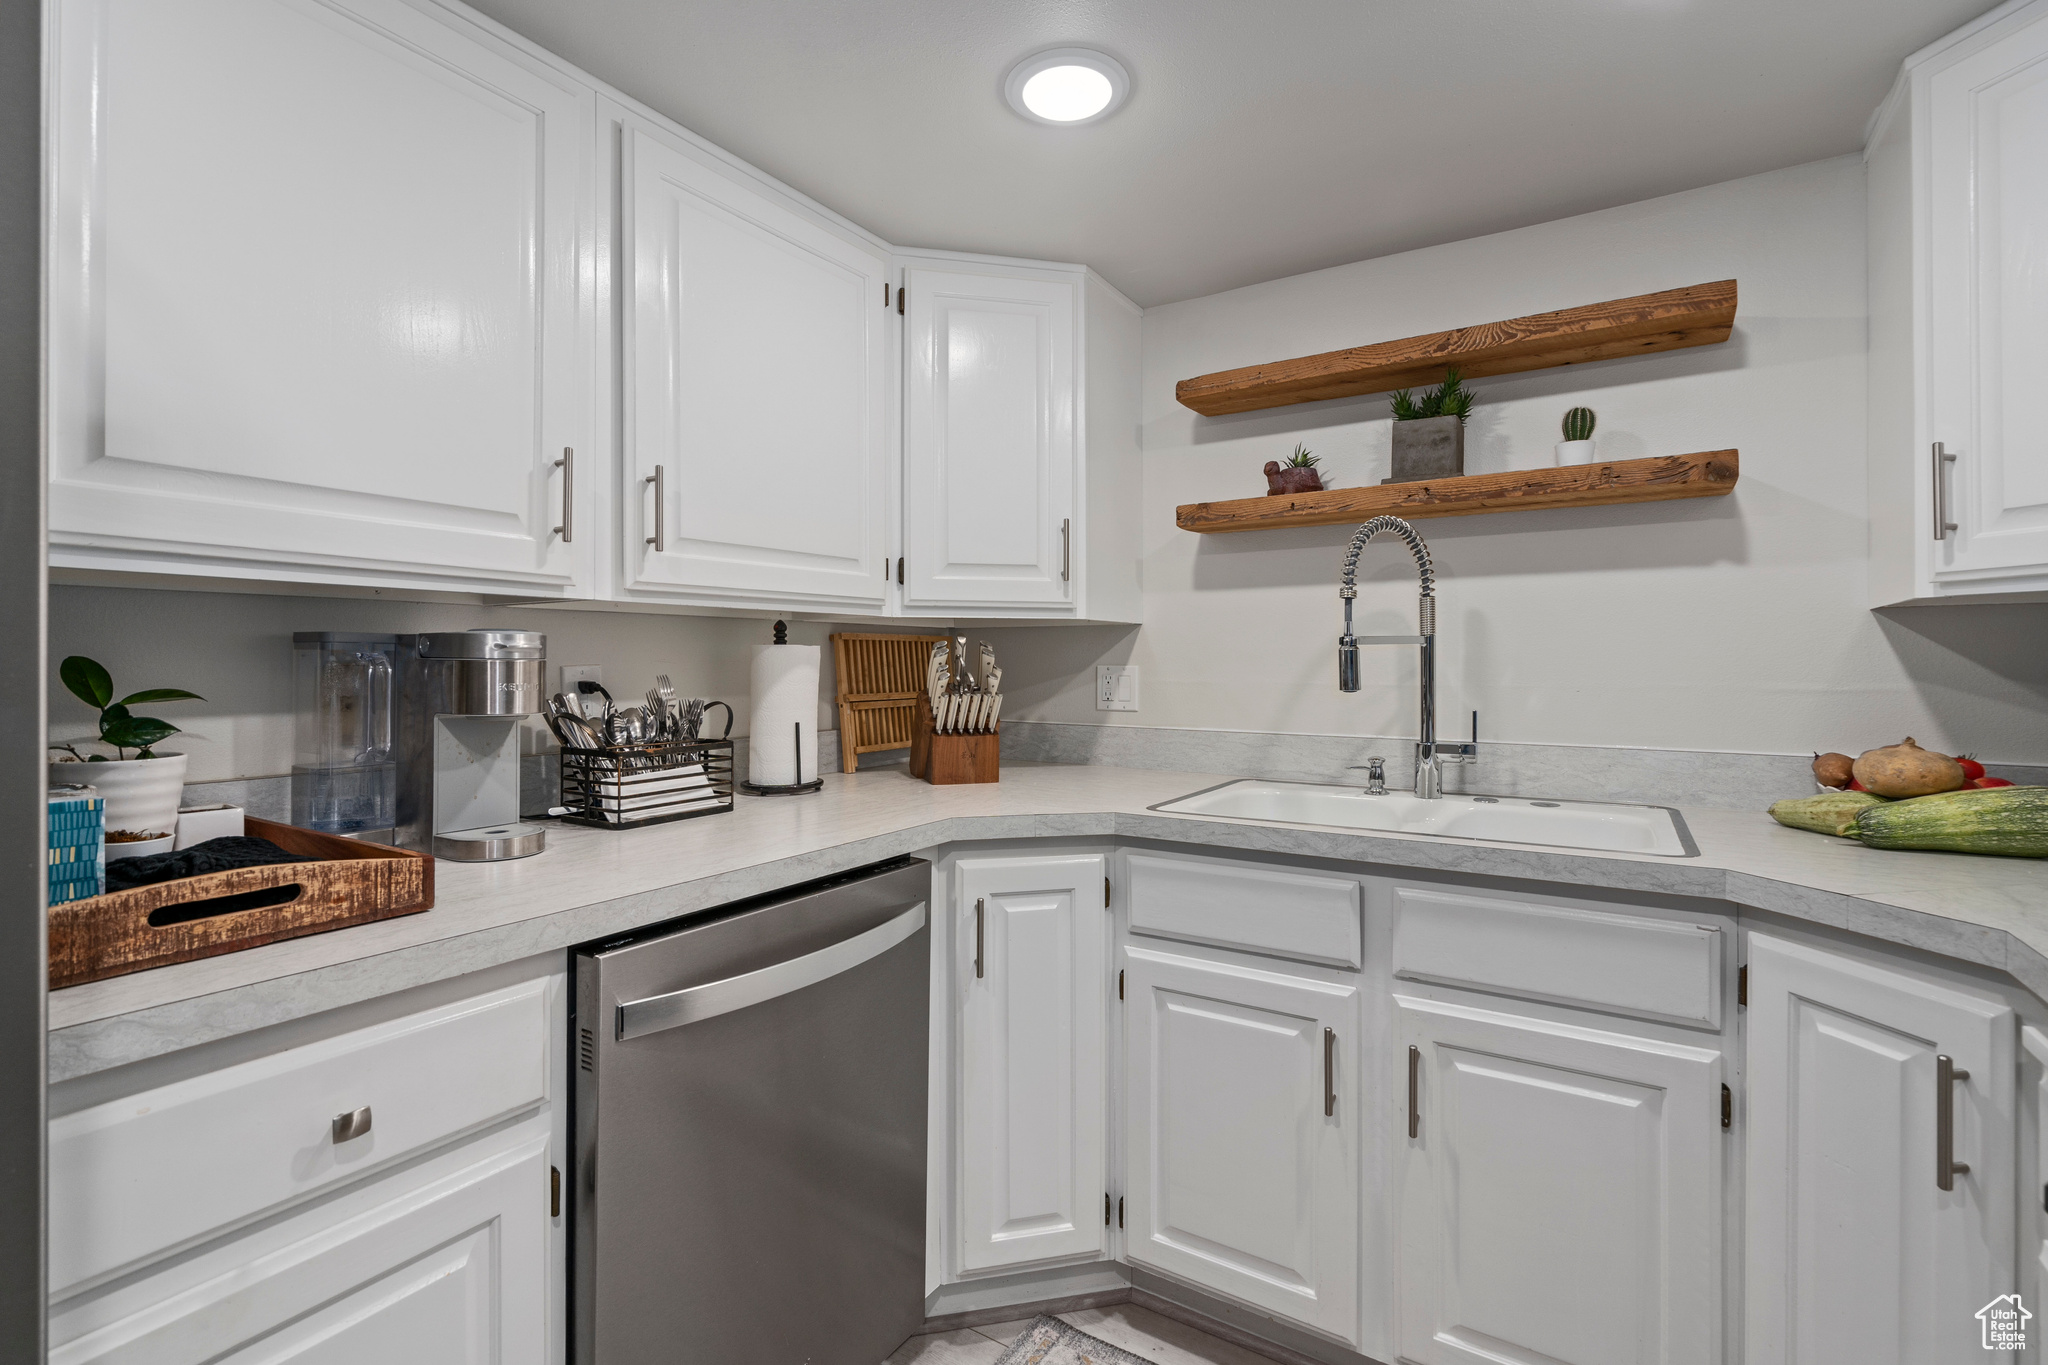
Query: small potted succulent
x: 1429, y: 432
x: 1298, y: 475
x: 1577, y: 445
x: 142, y: 791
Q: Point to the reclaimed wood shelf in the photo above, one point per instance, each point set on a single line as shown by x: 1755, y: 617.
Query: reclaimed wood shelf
x: 1710, y: 474
x: 1698, y: 315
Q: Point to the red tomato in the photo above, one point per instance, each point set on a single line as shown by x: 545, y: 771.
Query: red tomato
x: 1856, y: 785
x: 1986, y: 783
x: 1972, y: 769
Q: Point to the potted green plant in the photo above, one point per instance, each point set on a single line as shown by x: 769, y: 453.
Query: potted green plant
x: 142, y: 791
x: 1429, y: 432
x: 1577, y: 445
x: 1298, y: 475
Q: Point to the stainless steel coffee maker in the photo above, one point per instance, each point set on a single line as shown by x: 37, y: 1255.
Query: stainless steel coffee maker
x: 461, y: 696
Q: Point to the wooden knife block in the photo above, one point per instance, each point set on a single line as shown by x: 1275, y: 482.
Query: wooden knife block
x: 946, y: 760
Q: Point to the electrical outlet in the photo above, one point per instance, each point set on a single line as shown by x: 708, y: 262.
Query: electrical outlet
x: 1116, y: 687
x: 576, y: 673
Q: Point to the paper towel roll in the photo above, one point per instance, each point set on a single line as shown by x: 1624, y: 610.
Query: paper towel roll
x: 785, y: 705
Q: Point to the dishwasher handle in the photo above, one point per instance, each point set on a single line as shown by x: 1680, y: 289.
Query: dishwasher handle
x: 638, y: 1018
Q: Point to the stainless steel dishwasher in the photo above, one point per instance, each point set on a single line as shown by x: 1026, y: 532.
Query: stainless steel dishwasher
x: 749, y: 1180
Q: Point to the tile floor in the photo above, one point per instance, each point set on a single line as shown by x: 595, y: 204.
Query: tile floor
x: 1137, y: 1330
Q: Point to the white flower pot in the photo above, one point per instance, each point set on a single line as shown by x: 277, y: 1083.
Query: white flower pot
x: 142, y: 794
x: 1575, y: 452
x: 141, y: 849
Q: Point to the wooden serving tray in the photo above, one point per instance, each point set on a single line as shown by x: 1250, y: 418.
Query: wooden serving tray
x: 224, y: 912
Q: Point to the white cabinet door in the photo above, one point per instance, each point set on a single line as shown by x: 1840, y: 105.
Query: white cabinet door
x: 1031, y: 943
x: 1242, y: 1118
x: 1987, y: 262
x: 991, y: 389
x: 445, y: 1266
x: 318, y: 297
x: 1853, y: 1254
x: 1559, y: 1193
x: 756, y: 384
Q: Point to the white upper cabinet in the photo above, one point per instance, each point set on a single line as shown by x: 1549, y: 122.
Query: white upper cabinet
x: 1031, y: 941
x: 756, y: 392
x: 319, y: 305
x: 1959, y: 318
x: 992, y: 386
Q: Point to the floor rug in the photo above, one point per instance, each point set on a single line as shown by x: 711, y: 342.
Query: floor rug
x: 1048, y: 1341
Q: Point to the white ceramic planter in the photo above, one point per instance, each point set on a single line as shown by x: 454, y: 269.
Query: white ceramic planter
x: 142, y: 794
x: 1575, y: 452
x: 142, y: 849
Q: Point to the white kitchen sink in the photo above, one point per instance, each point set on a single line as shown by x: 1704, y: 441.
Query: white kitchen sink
x: 1607, y: 827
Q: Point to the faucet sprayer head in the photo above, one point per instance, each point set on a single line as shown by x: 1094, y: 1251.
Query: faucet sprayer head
x: 1347, y: 643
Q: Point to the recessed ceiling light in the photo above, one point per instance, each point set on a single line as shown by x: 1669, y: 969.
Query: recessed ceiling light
x: 1068, y: 86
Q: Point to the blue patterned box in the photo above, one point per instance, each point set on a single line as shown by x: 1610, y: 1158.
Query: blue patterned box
x: 78, y: 844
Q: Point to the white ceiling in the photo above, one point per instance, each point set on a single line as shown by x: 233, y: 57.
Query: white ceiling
x: 1261, y: 139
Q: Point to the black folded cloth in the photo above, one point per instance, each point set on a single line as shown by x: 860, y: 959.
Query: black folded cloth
x: 224, y: 854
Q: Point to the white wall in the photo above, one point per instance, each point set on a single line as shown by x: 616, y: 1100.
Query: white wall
x: 235, y: 650
x: 1732, y: 623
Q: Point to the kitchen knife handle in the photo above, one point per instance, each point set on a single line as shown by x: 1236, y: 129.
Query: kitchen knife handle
x: 567, y: 464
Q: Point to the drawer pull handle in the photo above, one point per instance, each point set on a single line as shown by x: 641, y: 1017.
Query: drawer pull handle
x: 354, y: 1124
x: 1946, y: 1167
x: 1414, y: 1084
x: 1329, y: 1073
x: 980, y: 933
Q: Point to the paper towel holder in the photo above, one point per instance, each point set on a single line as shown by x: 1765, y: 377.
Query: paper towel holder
x: 816, y: 784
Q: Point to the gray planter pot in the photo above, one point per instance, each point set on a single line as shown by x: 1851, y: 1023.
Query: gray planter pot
x: 1428, y: 448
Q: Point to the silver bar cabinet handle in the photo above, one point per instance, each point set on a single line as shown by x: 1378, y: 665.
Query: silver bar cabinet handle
x: 567, y: 464
x: 638, y: 1018
x: 1329, y: 1072
x: 980, y: 933
x: 1946, y: 1167
x: 1066, y: 547
x: 659, y: 540
x: 1942, y: 525
x: 1414, y: 1091
x: 354, y: 1124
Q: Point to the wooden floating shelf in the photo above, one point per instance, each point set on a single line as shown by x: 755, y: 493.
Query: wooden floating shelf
x: 1698, y: 315
x: 1710, y: 474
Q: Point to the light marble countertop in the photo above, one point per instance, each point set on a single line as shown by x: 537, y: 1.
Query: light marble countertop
x: 594, y: 883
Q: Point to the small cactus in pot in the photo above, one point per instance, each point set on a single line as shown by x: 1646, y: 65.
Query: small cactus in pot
x: 1577, y: 446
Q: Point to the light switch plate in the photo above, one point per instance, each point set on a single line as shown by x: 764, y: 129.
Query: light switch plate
x: 1116, y: 687
x: 576, y: 673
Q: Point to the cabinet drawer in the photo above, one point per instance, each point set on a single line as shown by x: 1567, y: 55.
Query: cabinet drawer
x: 1624, y: 964
x: 137, y: 1176
x: 1303, y: 915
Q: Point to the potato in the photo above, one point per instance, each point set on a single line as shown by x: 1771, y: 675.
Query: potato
x: 1905, y: 769
x: 1833, y: 770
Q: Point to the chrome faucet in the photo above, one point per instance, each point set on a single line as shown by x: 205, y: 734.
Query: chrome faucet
x: 1429, y: 755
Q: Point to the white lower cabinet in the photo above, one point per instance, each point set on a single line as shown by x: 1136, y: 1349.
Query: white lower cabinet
x: 447, y: 1265
x: 1031, y: 948
x: 232, y: 1216
x: 1242, y: 1122
x: 1559, y: 1192
x: 1859, y: 1246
